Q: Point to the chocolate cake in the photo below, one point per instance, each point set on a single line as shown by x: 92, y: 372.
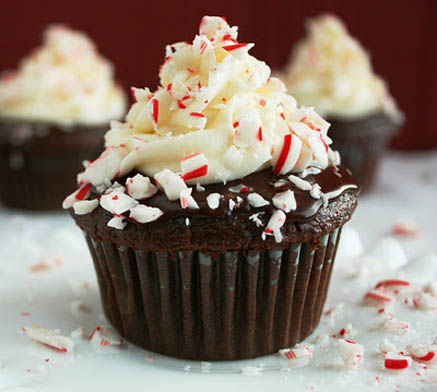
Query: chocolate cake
x: 39, y: 161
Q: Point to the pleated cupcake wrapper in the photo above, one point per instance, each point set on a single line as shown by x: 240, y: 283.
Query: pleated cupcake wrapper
x: 202, y: 306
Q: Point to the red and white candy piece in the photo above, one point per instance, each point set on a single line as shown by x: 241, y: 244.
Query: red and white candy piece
x: 104, y: 336
x: 393, y: 284
x: 425, y: 301
x: 85, y: 206
x: 431, y: 289
x: 240, y: 188
x: 117, y: 222
x: 81, y: 194
x: 350, y: 352
x: 145, y: 214
x: 405, y: 227
x: 247, y: 127
x: 285, y: 201
x: 316, y: 191
x: 186, y: 200
x: 194, y: 166
x: 170, y: 183
x: 348, y: 331
x: 154, y: 111
x: 298, y: 356
x: 301, y: 184
x: 256, y: 200
x: 117, y: 202
x: 378, y: 296
x: 309, y: 171
x: 286, y: 156
x: 394, y: 361
x: 50, y: 337
x: 213, y: 200
x: 274, y: 225
x: 105, y: 168
x: 139, y: 187
x: 392, y: 325
x: 421, y: 352
x: 255, y: 218
x: 386, y: 347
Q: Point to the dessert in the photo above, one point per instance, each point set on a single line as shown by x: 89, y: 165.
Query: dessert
x: 332, y: 72
x: 214, y: 213
x: 54, y: 111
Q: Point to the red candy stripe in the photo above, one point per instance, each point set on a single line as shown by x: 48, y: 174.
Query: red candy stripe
x: 155, y: 110
x: 200, y: 172
x: 233, y: 47
x: 284, y: 154
x: 392, y: 282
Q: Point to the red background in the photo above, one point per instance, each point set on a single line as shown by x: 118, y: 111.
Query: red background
x: 400, y: 34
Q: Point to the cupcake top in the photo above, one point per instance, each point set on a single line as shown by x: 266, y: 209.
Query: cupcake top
x: 219, y: 104
x: 63, y: 81
x: 217, y: 119
x: 331, y: 71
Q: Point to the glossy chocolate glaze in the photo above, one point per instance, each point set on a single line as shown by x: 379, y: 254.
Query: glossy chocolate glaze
x: 333, y: 182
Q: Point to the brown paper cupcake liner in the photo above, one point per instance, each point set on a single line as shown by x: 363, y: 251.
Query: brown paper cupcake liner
x: 361, y: 144
x: 226, y: 306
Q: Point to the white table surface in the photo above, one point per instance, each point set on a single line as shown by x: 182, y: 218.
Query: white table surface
x: 407, y: 187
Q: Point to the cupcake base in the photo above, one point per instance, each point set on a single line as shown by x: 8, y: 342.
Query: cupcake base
x: 39, y: 162
x: 361, y: 143
x: 235, y: 305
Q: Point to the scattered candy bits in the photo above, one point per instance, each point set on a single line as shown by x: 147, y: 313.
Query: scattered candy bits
x: 50, y: 337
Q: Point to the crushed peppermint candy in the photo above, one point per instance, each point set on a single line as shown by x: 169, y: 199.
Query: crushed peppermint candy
x: 256, y: 200
x: 140, y: 188
x: 405, y: 227
x: 255, y: 218
x: 170, y: 183
x: 194, y: 166
x: 117, y: 202
x: 350, y: 352
x: 50, y: 337
x: 81, y: 194
x: 241, y: 188
x: 288, y: 154
x: 200, y: 188
x: 213, y: 200
x: 421, y: 352
x: 105, y: 336
x: 85, y: 206
x: 394, y: 361
x: 186, y: 200
x: 310, y: 171
x: 145, y: 214
x: 285, y: 201
x: 316, y: 191
x: 117, y: 222
x: 274, y: 225
x: 301, y: 184
x: 298, y: 356
x: 378, y: 296
x: 394, y: 326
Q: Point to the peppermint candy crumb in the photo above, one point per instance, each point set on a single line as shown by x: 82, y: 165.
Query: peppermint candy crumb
x: 50, y: 337
x: 85, y: 206
x: 105, y: 336
x: 350, y: 352
x: 139, y: 187
x: 285, y: 201
x: 117, y: 222
x: 213, y: 200
x: 145, y: 214
x: 256, y: 200
x: 301, y: 184
x: 186, y: 200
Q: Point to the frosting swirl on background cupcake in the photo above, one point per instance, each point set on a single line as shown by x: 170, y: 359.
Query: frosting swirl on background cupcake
x: 63, y: 81
x: 331, y: 71
x: 219, y: 102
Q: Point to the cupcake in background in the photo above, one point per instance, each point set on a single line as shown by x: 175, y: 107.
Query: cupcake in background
x: 54, y: 111
x: 214, y: 214
x: 332, y: 72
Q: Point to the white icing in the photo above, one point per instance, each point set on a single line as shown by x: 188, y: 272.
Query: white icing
x: 63, y: 81
x: 220, y: 102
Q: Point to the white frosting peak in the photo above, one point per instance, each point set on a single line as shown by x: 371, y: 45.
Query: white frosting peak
x: 63, y: 81
x: 217, y: 100
x: 331, y: 71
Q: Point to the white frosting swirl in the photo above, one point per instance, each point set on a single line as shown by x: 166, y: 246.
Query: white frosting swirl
x: 331, y: 71
x: 217, y: 100
x: 63, y: 81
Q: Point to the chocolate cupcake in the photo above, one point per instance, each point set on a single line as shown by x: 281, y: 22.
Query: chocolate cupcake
x: 214, y: 214
x: 331, y: 71
x: 54, y: 111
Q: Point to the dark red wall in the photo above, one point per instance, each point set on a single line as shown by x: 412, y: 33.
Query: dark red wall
x: 400, y: 34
